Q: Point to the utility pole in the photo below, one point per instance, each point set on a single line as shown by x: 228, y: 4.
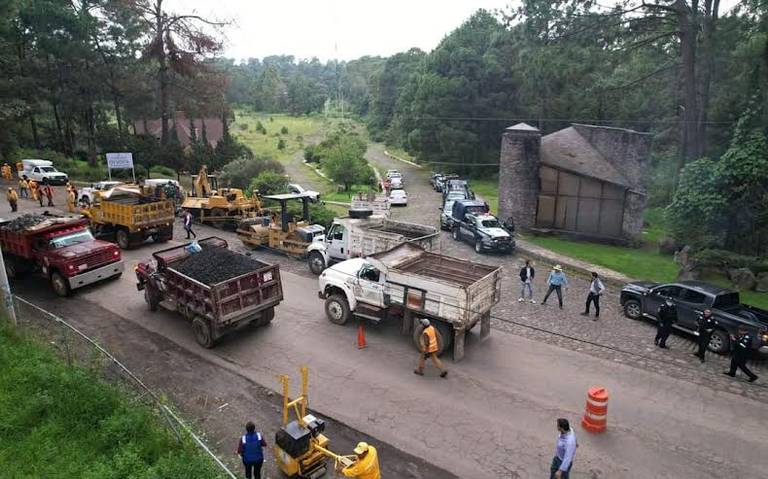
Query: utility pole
x: 6, y: 290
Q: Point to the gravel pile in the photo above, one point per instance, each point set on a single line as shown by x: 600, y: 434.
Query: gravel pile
x: 214, y: 265
x: 25, y: 222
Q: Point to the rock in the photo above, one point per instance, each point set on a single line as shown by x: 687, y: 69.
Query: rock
x: 742, y: 278
x: 683, y: 257
x: 761, y: 285
x: 668, y: 246
x: 688, y: 274
x: 688, y: 270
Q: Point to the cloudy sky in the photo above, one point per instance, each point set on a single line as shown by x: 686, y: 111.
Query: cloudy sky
x: 344, y: 29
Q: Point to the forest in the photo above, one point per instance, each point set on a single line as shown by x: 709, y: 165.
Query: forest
x: 78, y: 75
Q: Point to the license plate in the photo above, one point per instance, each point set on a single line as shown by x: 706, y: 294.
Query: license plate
x: 82, y: 267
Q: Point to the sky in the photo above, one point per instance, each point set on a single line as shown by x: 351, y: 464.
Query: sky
x: 330, y: 29
x: 338, y: 29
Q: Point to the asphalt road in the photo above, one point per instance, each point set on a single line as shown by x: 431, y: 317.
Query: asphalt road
x: 492, y: 417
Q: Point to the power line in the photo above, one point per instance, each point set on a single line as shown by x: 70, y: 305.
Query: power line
x: 563, y: 120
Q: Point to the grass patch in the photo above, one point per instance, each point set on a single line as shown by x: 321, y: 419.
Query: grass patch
x: 488, y: 190
x: 60, y: 421
x: 657, y: 227
x: 636, y: 263
x: 346, y: 196
x: 400, y: 153
x: 299, y: 129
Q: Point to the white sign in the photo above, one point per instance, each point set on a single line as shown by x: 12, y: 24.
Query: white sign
x: 117, y: 161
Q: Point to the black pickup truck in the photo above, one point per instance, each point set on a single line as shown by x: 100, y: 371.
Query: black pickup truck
x: 642, y: 299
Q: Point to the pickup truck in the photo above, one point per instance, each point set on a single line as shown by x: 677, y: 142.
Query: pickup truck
x: 85, y: 195
x: 215, y: 303
x: 407, y: 283
x: 483, y: 231
x: 446, y: 211
x: 642, y: 299
x: 62, y: 249
x: 42, y: 171
x: 352, y: 237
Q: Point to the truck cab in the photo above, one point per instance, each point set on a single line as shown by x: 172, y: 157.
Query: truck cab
x: 484, y: 231
x: 359, y: 287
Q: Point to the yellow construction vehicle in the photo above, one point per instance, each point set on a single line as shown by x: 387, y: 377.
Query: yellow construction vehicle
x: 281, y: 231
x: 301, y: 448
x: 218, y: 206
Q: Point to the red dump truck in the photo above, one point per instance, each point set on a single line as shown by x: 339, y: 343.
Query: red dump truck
x: 215, y: 288
x: 61, y: 248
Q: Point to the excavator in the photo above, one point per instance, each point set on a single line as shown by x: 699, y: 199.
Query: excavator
x: 219, y: 207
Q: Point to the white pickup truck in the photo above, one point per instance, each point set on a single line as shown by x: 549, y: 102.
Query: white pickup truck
x: 409, y: 283
x: 352, y: 237
x: 42, y: 171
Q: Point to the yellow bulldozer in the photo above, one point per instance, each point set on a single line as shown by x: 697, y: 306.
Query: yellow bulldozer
x: 281, y: 231
x: 219, y: 207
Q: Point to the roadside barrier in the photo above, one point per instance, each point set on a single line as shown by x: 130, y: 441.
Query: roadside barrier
x: 596, y: 412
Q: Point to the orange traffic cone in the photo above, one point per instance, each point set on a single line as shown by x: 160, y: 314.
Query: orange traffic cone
x: 361, y: 337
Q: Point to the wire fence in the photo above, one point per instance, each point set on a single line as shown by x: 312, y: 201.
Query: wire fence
x: 78, y: 349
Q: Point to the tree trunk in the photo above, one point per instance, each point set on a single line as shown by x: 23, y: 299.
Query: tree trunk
x: 59, y: 131
x: 33, y: 127
x: 690, y: 129
x: 708, y: 51
x: 118, y: 115
x: 90, y: 123
x: 162, y: 71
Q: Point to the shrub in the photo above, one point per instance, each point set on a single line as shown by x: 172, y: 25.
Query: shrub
x: 239, y: 173
x: 243, y: 126
x: 160, y: 171
x: 269, y: 183
x: 723, y: 259
x: 284, y: 130
x: 319, y: 214
x: 281, y: 144
x: 260, y: 128
x: 312, y: 154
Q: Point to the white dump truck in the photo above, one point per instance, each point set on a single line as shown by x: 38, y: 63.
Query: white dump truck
x: 351, y: 237
x: 409, y: 283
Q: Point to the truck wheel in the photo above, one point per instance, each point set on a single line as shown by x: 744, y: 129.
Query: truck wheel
x: 444, y: 335
x: 266, y: 317
x: 316, y: 262
x: 337, y: 309
x: 152, y: 298
x: 719, y: 343
x: 122, y: 238
x: 203, y: 334
x: 632, y: 309
x: 455, y: 234
x: 60, y: 284
x: 479, y: 246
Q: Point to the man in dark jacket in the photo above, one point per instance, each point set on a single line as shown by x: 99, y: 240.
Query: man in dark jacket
x: 251, y: 450
x: 742, y: 344
x: 667, y: 315
x: 706, y: 323
x: 526, y: 281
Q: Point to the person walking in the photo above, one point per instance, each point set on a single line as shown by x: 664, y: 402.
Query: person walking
x: 596, y: 289
x: 742, y: 345
x: 187, y: 218
x: 556, y: 282
x: 667, y: 316
x: 366, y: 465
x: 48, y: 192
x: 428, y: 349
x: 706, y: 324
x: 23, y: 187
x: 251, y: 449
x: 527, y: 274
x: 13, y: 199
x: 33, y: 189
x: 71, y: 199
x: 565, y: 450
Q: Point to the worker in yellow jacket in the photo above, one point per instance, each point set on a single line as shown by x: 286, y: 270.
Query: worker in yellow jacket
x: 367, y: 464
x: 71, y: 197
x: 6, y: 171
x: 13, y: 199
x: 428, y: 349
x: 23, y: 188
x: 33, y: 189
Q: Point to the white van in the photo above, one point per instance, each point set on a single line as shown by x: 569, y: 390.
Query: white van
x: 43, y: 172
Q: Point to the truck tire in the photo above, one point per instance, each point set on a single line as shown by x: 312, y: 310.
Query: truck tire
x: 266, y: 317
x: 152, y: 298
x: 218, y: 212
x: 337, y: 309
x: 122, y: 238
x: 479, y: 246
x: 203, y: 334
x: 720, y: 342
x: 632, y: 309
x: 444, y: 335
x: 316, y: 262
x: 60, y: 285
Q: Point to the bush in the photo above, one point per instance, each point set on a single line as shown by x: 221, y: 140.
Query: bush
x: 160, y: 171
x: 281, y: 144
x: 260, y: 128
x: 319, y: 214
x: 243, y: 126
x: 239, y: 173
x: 269, y: 183
x: 312, y: 154
x: 284, y: 130
x: 723, y: 259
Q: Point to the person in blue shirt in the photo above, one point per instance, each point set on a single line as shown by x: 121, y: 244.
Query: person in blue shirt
x: 564, y: 451
x: 251, y: 450
x: 556, y: 281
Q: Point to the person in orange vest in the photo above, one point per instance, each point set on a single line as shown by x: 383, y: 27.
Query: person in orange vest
x: 13, y: 199
x: 428, y: 349
x: 33, y: 189
x: 23, y: 187
x: 367, y: 464
x: 71, y: 198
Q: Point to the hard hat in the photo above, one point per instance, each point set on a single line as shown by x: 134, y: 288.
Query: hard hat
x: 424, y: 322
x: 362, y: 447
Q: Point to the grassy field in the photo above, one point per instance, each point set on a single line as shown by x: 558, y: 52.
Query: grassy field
x: 300, y: 128
x: 60, y: 421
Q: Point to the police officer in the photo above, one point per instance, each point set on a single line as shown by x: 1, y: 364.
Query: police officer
x: 740, y: 354
x: 706, y: 323
x: 251, y: 450
x: 667, y: 315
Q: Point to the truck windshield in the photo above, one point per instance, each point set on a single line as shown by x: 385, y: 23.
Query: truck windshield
x: 490, y: 224
x: 48, y: 169
x: 727, y: 300
x: 70, y: 239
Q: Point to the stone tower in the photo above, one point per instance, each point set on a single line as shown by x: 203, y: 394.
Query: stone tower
x: 519, y: 174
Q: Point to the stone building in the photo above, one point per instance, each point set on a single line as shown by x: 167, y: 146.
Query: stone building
x: 585, y: 180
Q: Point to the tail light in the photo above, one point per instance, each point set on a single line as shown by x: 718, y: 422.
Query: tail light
x: 116, y: 253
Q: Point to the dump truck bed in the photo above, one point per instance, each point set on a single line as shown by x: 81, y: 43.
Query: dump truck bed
x: 457, y: 291
x: 377, y: 233
x: 134, y: 212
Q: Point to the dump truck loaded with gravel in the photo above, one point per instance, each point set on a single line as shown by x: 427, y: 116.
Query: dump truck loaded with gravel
x: 215, y: 288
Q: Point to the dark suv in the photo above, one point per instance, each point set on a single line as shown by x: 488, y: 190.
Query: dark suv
x: 642, y: 299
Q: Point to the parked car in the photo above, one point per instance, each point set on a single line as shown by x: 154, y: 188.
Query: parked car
x: 642, y: 299
x: 398, y: 197
x: 85, y: 195
x: 440, y: 181
x: 396, y: 183
x: 446, y: 215
x: 433, y: 178
x: 393, y: 173
x: 457, y: 185
x: 314, y: 196
x: 485, y: 232
x: 42, y: 171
